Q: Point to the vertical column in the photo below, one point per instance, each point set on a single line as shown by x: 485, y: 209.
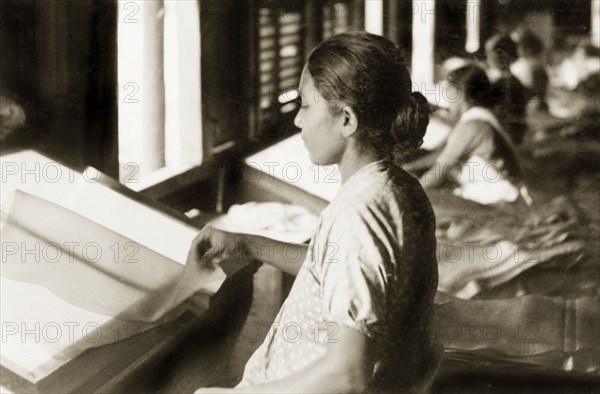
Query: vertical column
x: 423, y: 43
x: 153, y: 87
x: 141, y: 87
x: 595, y: 30
x: 357, y: 12
x: 183, y: 116
x: 313, y: 32
x: 392, y: 21
x: 473, y: 26
x: 374, y: 16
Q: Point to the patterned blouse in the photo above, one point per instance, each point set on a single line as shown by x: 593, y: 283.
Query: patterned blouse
x: 371, y: 266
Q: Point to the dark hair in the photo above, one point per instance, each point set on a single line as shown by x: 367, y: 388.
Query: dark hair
x: 501, y: 51
x: 368, y: 73
x: 529, y: 43
x: 473, y: 83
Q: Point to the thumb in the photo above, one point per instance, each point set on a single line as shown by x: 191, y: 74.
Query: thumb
x: 207, y: 261
x: 202, y: 247
x: 206, y: 253
x: 198, y: 249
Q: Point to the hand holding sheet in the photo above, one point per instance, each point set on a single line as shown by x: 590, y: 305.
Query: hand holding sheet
x: 213, y: 249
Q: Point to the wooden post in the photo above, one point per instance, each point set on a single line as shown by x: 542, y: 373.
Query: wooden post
x: 313, y: 32
x: 423, y: 44
x: 141, y: 87
x: 473, y: 22
x: 183, y: 118
x: 595, y: 29
x: 152, y: 89
x: 374, y: 16
x: 391, y: 19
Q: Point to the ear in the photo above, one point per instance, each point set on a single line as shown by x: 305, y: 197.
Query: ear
x: 349, y: 121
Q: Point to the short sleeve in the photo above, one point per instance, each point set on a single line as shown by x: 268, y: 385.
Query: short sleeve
x: 355, y: 279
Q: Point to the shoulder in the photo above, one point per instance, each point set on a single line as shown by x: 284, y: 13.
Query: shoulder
x: 380, y: 207
x: 388, y: 185
x: 472, y: 130
x: 509, y: 88
x: 475, y: 126
x: 355, y: 213
x: 508, y: 82
x: 358, y: 194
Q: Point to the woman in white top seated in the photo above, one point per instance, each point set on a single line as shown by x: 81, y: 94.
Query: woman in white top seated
x: 479, y: 155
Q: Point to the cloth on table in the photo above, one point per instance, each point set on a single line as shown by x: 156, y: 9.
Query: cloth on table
x: 482, y: 246
x: 275, y: 220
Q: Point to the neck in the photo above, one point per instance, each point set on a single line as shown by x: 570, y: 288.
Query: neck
x: 465, y: 107
x: 353, y: 160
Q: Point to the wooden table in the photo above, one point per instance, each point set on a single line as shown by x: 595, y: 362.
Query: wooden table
x: 189, y: 352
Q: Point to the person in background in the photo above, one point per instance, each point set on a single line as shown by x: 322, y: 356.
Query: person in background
x: 479, y: 155
x: 530, y: 68
x: 361, y: 304
x: 501, y: 53
x: 12, y: 117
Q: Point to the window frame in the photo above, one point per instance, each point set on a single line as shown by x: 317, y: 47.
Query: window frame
x: 218, y: 158
x: 168, y: 98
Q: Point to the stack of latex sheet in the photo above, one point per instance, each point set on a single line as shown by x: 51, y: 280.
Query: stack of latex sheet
x: 552, y: 332
x: 481, y: 246
x: 84, y: 265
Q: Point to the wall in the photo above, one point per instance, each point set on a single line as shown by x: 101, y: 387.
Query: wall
x: 58, y: 60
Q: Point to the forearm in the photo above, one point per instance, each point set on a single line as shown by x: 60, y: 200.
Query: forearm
x: 432, y: 177
x: 288, y: 257
x: 443, y: 168
x: 423, y: 163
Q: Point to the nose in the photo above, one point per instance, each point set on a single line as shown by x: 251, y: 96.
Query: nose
x: 298, y: 120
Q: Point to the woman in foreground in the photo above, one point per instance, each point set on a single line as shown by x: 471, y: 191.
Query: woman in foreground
x: 358, y: 317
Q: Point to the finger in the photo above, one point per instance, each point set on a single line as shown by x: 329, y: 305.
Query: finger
x: 210, y: 259
x: 203, y: 251
x: 203, y: 247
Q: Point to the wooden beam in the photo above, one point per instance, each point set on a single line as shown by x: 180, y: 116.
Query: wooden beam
x: 423, y: 47
x: 391, y: 20
x: 473, y: 23
x: 374, y: 16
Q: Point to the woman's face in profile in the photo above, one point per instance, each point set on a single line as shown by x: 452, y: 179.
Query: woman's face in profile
x: 321, y: 131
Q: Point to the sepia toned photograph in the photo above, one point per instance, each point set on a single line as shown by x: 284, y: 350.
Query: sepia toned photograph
x: 299, y: 196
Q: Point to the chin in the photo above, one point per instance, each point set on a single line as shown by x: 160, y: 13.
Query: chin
x: 314, y: 159
x: 322, y: 162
